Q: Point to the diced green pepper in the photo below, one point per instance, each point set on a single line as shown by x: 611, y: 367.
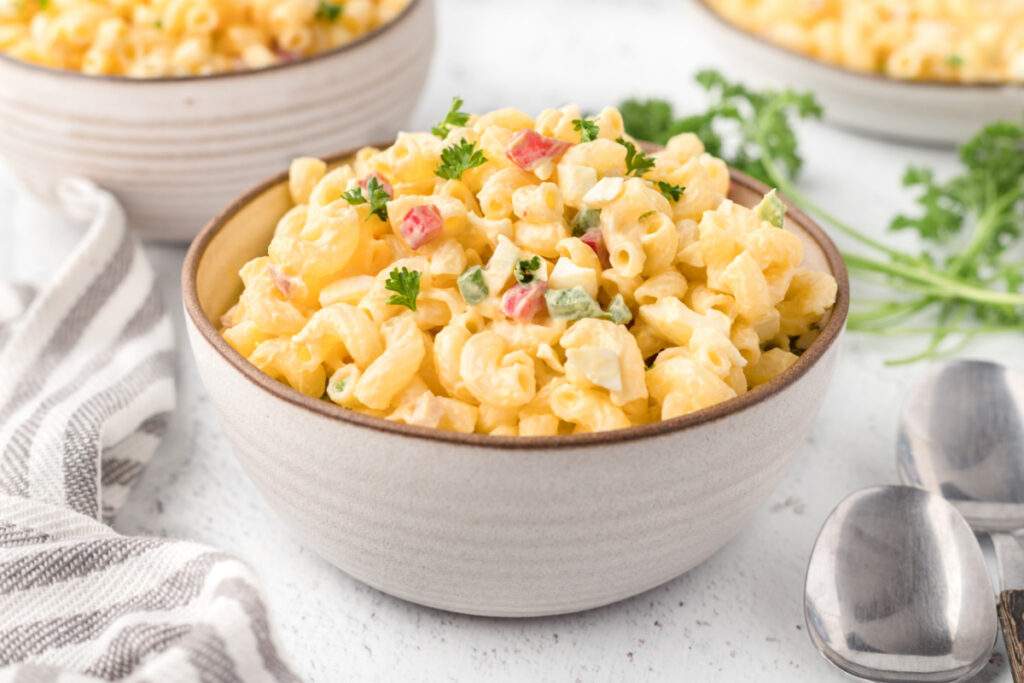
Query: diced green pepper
x: 585, y: 220
x: 771, y: 209
x: 576, y: 303
x: 472, y: 285
x: 619, y: 312
x: 572, y: 304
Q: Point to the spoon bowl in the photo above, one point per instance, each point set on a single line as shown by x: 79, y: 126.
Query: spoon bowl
x: 897, y: 589
x: 962, y: 436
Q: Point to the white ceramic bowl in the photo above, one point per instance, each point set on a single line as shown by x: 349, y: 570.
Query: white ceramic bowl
x: 500, y: 526
x: 925, y: 112
x: 173, y: 148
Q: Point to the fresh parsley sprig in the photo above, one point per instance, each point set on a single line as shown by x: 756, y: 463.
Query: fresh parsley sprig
x: 458, y: 158
x: 406, y: 285
x: 328, y: 11
x: 959, y: 284
x: 589, y: 130
x: 741, y: 125
x: 454, y: 117
x: 637, y: 163
x: 378, y: 200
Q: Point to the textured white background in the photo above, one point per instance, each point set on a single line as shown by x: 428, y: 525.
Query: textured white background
x: 736, y: 618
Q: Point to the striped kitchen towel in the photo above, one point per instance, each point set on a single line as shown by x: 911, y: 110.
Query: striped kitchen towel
x: 86, y: 388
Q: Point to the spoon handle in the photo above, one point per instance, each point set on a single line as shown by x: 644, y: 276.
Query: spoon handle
x: 1010, y: 561
x: 1011, y: 618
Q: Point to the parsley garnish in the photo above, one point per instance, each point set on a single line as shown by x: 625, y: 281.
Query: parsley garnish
x: 43, y: 4
x: 339, y: 386
x: 671, y: 192
x: 637, y: 163
x: 454, y: 117
x: 588, y: 129
x: 328, y: 11
x: 524, y: 270
x: 954, y: 61
x: 378, y: 198
x: 406, y: 285
x: 458, y: 158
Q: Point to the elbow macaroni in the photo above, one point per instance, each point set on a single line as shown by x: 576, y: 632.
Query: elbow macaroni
x: 654, y: 307
x: 156, y: 38
x: 933, y: 40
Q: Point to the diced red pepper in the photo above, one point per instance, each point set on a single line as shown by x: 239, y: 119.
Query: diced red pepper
x: 380, y: 179
x: 522, y: 302
x: 595, y: 240
x: 529, y: 149
x: 422, y: 224
x: 287, y: 55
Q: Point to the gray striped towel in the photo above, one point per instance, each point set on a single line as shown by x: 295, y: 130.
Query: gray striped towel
x: 86, y: 388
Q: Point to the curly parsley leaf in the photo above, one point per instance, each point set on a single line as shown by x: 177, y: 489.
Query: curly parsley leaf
x: 637, y: 163
x: 671, y: 192
x: 406, y: 285
x: 454, y: 117
x: 986, y: 194
x: 378, y: 197
x: 524, y: 270
x: 651, y: 120
x: 458, y: 158
x: 588, y: 130
x: 328, y: 11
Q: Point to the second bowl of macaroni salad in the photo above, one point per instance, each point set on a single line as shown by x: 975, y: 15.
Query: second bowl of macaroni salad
x: 158, y: 38
x: 166, y: 104
x: 977, y: 41
x: 533, y: 276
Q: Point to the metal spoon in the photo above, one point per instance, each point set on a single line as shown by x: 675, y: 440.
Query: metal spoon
x: 962, y: 436
x: 897, y: 589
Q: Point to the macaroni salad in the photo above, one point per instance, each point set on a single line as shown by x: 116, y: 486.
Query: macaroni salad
x: 519, y: 276
x: 940, y: 40
x: 154, y: 38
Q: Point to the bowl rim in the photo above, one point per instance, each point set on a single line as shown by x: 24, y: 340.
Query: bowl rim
x: 210, y: 334
x: 867, y: 76
x: 326, y: 54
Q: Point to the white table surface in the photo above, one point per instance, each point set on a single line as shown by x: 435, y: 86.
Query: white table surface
x: 736, y: 618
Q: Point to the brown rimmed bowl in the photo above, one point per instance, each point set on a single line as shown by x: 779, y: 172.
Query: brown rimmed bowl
x: 929, y: 112
x: 499, y: 526
x: 172, y: 149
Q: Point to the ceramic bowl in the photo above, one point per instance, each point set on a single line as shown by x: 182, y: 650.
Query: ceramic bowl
x: 933, y: 113
x: 173, y: 148
x: 501, y: 526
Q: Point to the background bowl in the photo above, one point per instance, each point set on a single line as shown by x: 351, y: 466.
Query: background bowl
x: 172, y: 149
x: 918, y: 111
x: 501, y: 526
